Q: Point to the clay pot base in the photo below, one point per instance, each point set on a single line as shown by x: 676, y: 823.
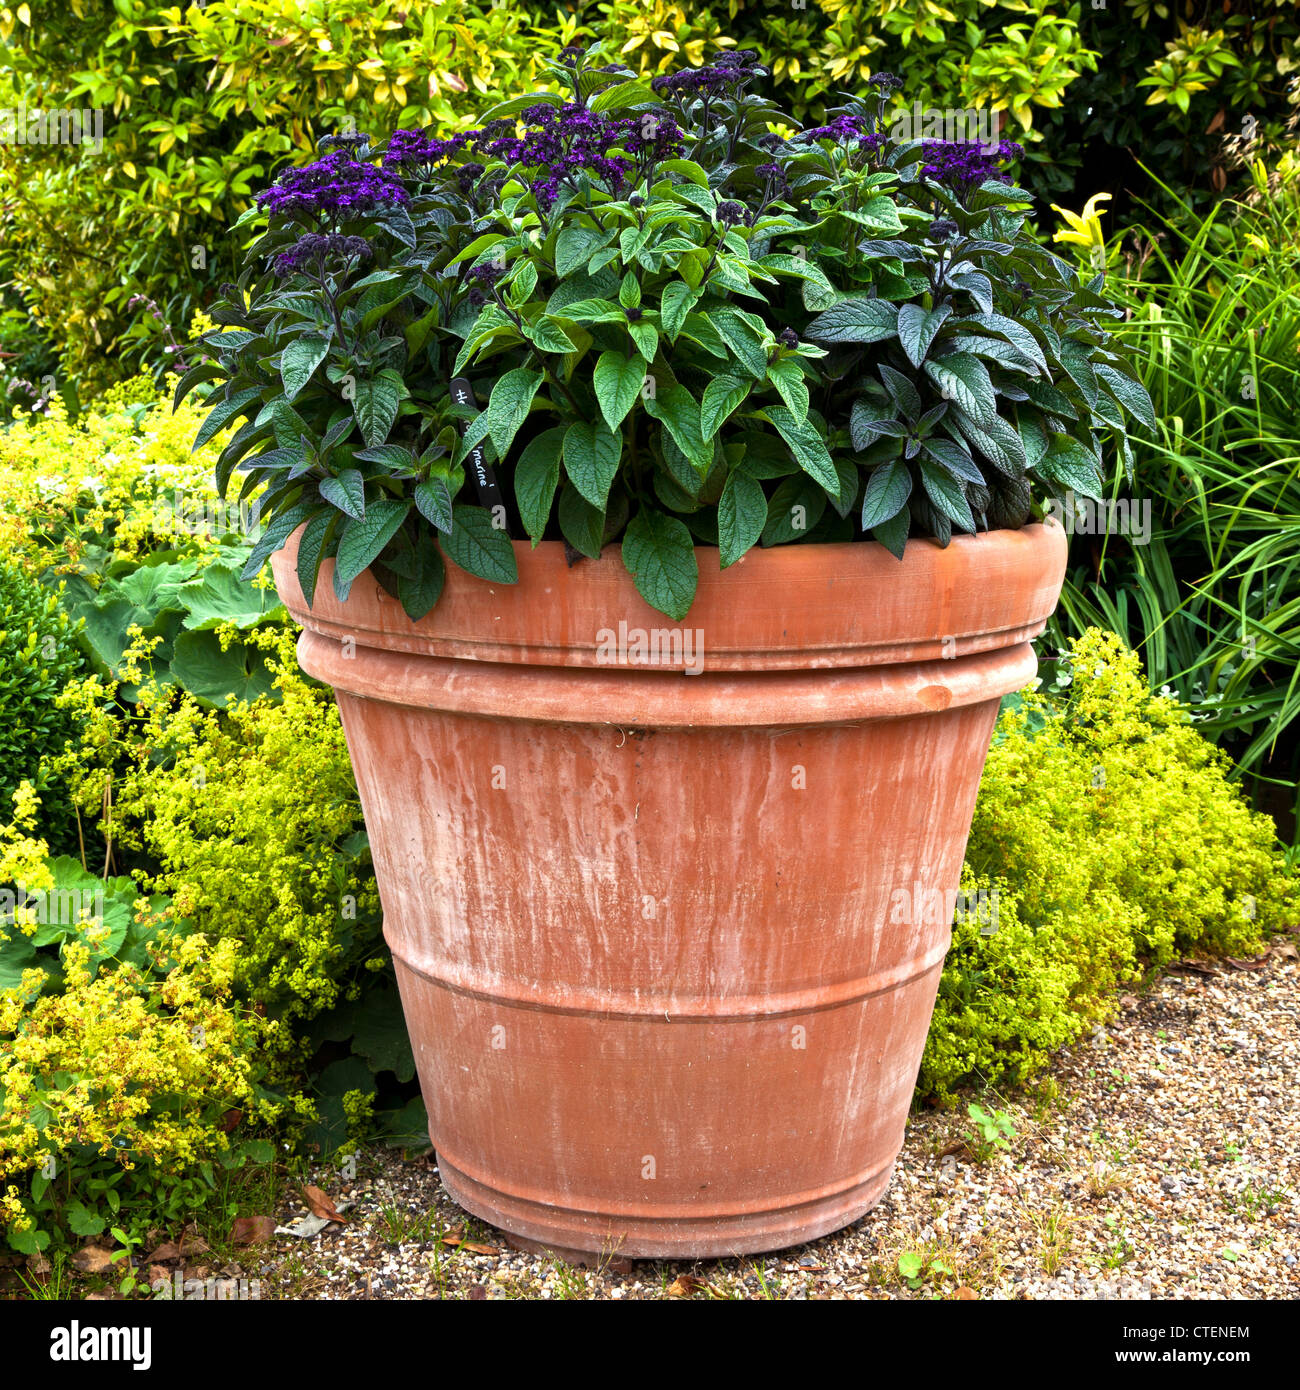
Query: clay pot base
x: 588, y: 1239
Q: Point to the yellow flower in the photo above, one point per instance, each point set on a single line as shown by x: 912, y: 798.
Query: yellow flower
x: 1084, y: 228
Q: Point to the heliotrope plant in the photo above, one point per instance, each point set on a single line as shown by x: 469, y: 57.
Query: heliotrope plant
x: 640, y: 311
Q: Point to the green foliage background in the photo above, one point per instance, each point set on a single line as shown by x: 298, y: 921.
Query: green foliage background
x: 202, y: 104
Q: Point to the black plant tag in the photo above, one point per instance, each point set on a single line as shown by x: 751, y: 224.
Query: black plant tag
x: 485, y: 479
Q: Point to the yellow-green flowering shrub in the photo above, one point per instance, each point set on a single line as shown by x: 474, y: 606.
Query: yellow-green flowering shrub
x: 1004, y: 998
x: 251, y: 814
x: 116, y: 1087
x: 38, y: 657
x: 130, y: 1069
x: 1114, y: 840
x: 79, y: 494
x: 200, y: 104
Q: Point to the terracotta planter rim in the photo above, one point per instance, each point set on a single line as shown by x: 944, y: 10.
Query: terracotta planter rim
x: 794, y: 607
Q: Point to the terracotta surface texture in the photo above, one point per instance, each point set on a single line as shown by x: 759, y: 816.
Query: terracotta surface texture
x: 669, y: 902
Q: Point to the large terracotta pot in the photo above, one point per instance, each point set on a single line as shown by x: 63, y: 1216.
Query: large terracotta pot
x: 667, y: 943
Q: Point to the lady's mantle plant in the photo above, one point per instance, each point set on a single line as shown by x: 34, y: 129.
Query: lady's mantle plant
x: 632, y: 311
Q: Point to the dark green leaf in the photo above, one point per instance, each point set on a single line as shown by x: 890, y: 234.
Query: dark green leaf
x: 508, y: 407
x: 479, y: 547
x: 675, y: 407
x: 887, y: 492
x: 807, y: 445
x: 721, y: 397
x: 742, y: 514
x: 223, y: 411
x: 660, y: 556
x: 376, y: 404
x: 947, y: 494
x: 433, y: 502
x: 917, y: 328
x: 591, y: 457
x: 537, y: 476
x: 299, y: 360
x: 361, y: 541
x: 347, y: 492
x: 855, y: 321
x: 618, y: 381
x: 965, y: 380
x: 311, y: 551
x: 581, y: 524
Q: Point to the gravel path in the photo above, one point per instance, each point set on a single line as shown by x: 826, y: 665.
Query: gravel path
x: 1161, y: 1159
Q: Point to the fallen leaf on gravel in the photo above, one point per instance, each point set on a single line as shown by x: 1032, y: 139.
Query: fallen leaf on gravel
x: 92, y: 1259
x: 252, y: 1230
x: 307, y: 1226
x: 958, y: 1146
x: 1184, y: 967
x: 477, y: 1293
x: 1128, y: 1001
x: 321, y: 1205
x: 1236, y: 964
x: 459, y: 1242
x: 966, y: 1293
x: 1285, y: 951
x: 170, y: 1251
x: 193, y: 1245
x: 685, y: 1285
x: 158, y: 1274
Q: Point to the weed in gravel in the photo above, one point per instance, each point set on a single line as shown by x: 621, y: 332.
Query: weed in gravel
x: 1121, y: 1249
x: 990, y: 1133
x: 54, y: 1285
x: 1053, y: 1232
x: 1256, y: 1200
x: 1046, y: 1099
x: 571, y: 1282
x: 407, y: 1225
x: 921, y: 1270
x: 1103, y: 1179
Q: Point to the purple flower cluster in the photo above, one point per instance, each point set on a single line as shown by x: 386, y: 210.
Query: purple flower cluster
x: 481, y: 280
x: 408, y: 148
x: 317, y: 249
x: 962, y: 164
x: 336, y: 184
x: 693, y: 81
x: 844, y: 130
x: 730, y: 72
x: 558, y: 141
